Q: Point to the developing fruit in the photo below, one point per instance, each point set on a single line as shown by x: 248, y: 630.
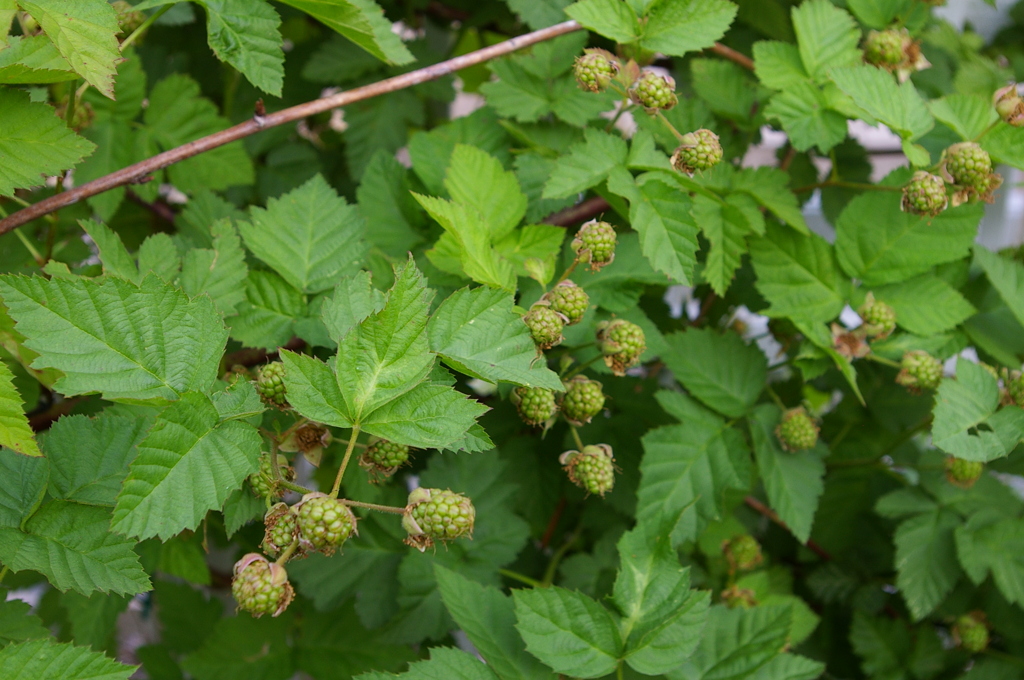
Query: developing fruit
x: 595, y: 69
x: 261, y: 587
x: 569, y: 300
x: 654, y: 92
x: 971, y: 632
x: 968, y: 165
x: 925, y: 194
x: 879, y: 318
x: 324, y: 522
x: 310, y: 440
x: 743, y: 552
x: 280, y: 528
x: 919, y: 371
x: 545, y: 325
x: 885, y: 48
x: 436, y: 515
x: 1009, y: 105
x: 591, y: 469
x: 595, y: 244
x: 963, y: 473
x: 270, y: 384
x: 583, y: 400
x: 698, y: 150
x: 264, y: 483
x: 621, y: 342
x: 382, y: 458
x: 797, y: 431
x: 536, y: 405
x: 1014, y: 382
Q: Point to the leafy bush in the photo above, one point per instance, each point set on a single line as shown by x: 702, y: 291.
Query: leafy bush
x: 531, y: 383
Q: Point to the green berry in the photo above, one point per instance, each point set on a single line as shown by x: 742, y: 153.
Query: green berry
x: 1015, y: 387
x: 583, y: 400
x: 280, y: 528
x: 621, y: 342
x: 885, y: 48
x: 963, y: 473
x: 382, y: 458
x: 967, y: 164
x: 595, y: 244
x: 545, y: 325
x: 592, y: 469
x: 743, y: 552
x: 264, y: 482
x: 437, y: 515
x: 797, y: 431
x: 925, y: 194
x: 971, y: 632
x: 1009, y: 105
x: 261, y: 587
x: 128, y: 19
x: 654, y: 92
x: 919, y: 371
x: 879, y: 318
x: 270, y: 384
x: 569, y: 300
x: 536, y: 405
x: 698, y: 150
x: 324, y: 522
x: 595, y: 69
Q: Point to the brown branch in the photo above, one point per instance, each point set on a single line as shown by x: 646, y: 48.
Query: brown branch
x: 732, y: 55
x: 770, y: 514
x: 136, y: 173
x: 588, y: 209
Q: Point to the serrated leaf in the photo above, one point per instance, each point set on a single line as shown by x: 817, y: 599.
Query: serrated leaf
x: 25, y: 485
x: 770, y: 187
x: 587, y: 164
x: 478, y: 333
x: 429, y: 416
x: 926, y: 566
x: 966, y: 424
x: 1005, y: 144
x: 488, y: 618
x: 726, y: 229
x: 243, y: 648
x: 827, y: 37
x: 445, y: 663
x: 353, y: 300
x: 737, y: 642
x: 477, y: 179
x: 72, y: 546
x: 335, y: 646
x: 386, y: 203
x: 778, y: 64
x: 967, y: 115
x: 219, y: 272
x: 568, y: 631
x: 310, y: 236
x: 89, y: 457
x: 926, y: 305
x: 127, y: 342
x: 15, y: 432
x: 539, y: 13
x: 158, y: 255
x: 610, y: 18
x: 792, y: 479
x: 467, y: 244
x: 361, y: 21
x: 797, y: 274
x: 33, y: 59
x: 820, y: 337
x: 804, y: 113
x: 113, y: 254
x: 50, y: 660
x: 267, y: 314
x: 789, y: 667
x: 878, y: 13
x: 719, y: 369
x: 679, y: 26
x: 34, y: 142
x: 84, y: 33
x: 875, y: 90
x: 188, y: 464
x: 1006, y: 276
x: 244, y: 33
x: 991, y: 547
x: 17, y: 623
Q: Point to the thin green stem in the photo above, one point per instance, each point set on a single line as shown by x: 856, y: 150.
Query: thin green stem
x: 229, y: 93
x: 344, y: 461
x: 346, y: 443
x: 373, y: 506
x: 576, y: 436
x: 582, y: 367
x: 144, y: 26
x: 618, y: 671
x: 882, y: 360
x: 36, y: 255
x: 987, y: 130
x: 516, y: 576
x: 288, y: 552
x: 69, y: 112
x: 618, y: 114
x: 670, y: 126
x: 556, y: 559
x: 3, y: 572
x: 568, y: 272
x: 285, y: 484
x: 775, y: 397
x: 295, y: 426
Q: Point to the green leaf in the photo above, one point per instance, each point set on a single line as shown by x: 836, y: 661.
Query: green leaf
x: 267, y: 314
x: 926, y: 305
x: 1006, y: 276
x: 663, y: 618
x: 877, y: 13
x: 725, y: 227
x: 385, y: 202
x: 991, y: 547
x: 310, y: 236
x: 587, y: 164
x: 568, y: 631
x: 820, y: 337
x: 34, y: 142
x: 430, y: 416
x: 789, y: 667
x: 719, y: 369
x: 737, y: 642
x: 15, y: 432
x: 25, y: 486
x: 797, y: 274
x: 487, y: 616
x: 792, y: 479
x: 84, y: 33
x: 676, y: 27
x: 361, y: 21
x: 963, y: 405
x: 926, y: 566
x: 127, y: 342
x: 244, y: 34
x: 33, y: 59
x: 827, y: 37
x: 967, y: 115
x: 115, y: 257
x: 445, y: 663
x: 72, y: 546
x: 188, y: 464
x: 313, y: 390
x: 243, y: 648
x: 1005, y: 144
x: 539, y: 13
x: 219, y: 272
x: 467, y: 242
x: 778, y: 64
x: 878, y: 243
x: 336, y: 646
x: 17, y: 623
x: 157, y: 256
x: 770, y: 187
x: 803, y: 110
x: 610, y: 18
x: 50, y: 660
x: 89, y: 457
x: 478, y: 333
x: 477, y: 179
x: 875, y: 90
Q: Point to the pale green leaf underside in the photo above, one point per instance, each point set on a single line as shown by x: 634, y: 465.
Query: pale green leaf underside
x: 15, y: 432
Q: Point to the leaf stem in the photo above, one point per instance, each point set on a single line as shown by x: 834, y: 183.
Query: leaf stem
x: 576, y: 436
x: 36, y: 255
x: 144, y: 26
x: 516, y: 576
x: 987, y: 130
x: 618, y: 671
x: 882, y: 360
x: 568, y: 272
x: 373, y: 506
x: 344, y: 461
x: 3, y: 572
x: 288, y: 552
x: 556, y: 559
x: 670, y: 126
x: 285, y: 484
x: 582, y: 367
x: 775, y: 397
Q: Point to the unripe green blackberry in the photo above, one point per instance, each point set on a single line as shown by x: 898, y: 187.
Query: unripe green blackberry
x: 963, y: 473
x: 260, y: 586
x: 270, y: 384
x: 595, y: 69
x: 595, y: 244
x: 545, y: 325
x: 971, y: 632
x: 264, y: 482
x: 967, y: 164
x: 1014, y: 382
x: 280, y: 528
x: 536, y: 405
x: 382, y: 458
x: 654, y: 92
x: 797, y: 431
x: 885, y: 48
x: 743, y: 552
x: 128, y: 18
x: 697, y: 150
x: 324, y: 522
x: 1009, y: 105
x: 592, y: 469
x: 924, y: 194
x: 621, y: 342
x: 583, y: 400
x: 879, y: 318
x: 919, y: 371
x: 437, y: 515
x: 81, y: 118
x: 569, y: 300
